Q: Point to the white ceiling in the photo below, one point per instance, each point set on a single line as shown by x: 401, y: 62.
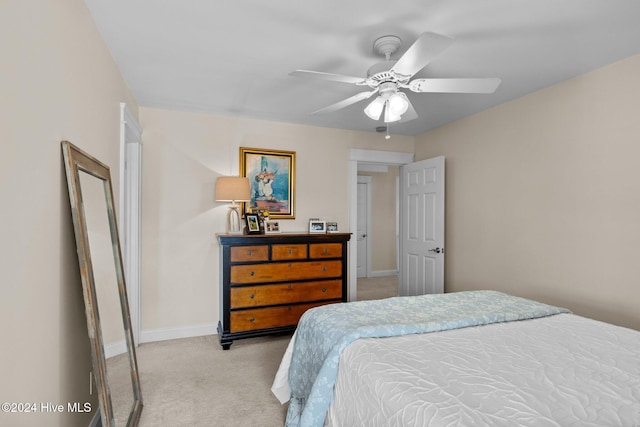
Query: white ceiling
x: 233, y: 57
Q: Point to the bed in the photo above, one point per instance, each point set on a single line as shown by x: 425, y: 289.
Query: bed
x: 461, y: 359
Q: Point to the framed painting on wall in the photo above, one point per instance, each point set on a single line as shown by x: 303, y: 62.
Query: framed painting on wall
x: 271, y: 174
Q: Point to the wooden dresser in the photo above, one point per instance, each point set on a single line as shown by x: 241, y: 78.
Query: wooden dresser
x: 268, y: 281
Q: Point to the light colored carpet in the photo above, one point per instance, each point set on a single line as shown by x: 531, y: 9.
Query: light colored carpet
x: 377, y: 287
x: 193, y: 382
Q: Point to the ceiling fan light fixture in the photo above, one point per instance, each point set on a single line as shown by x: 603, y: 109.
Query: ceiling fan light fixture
x: 374, y: 109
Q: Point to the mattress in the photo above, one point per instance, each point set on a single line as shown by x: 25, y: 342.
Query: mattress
x: 324, y: 332
x: 561, y: 370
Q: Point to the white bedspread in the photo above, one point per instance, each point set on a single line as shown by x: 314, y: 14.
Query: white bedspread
x: 562, y: 370
x: 324, y: 332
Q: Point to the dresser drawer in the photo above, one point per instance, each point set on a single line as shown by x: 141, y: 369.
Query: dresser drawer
x: 249, y: 253
x: 286, y: 252
x: 272, y: 317
x: 285, y: 293
x: 325, y: 250
x: 284, y: 271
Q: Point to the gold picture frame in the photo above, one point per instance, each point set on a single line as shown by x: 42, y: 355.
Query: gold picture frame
x: 272, y: 177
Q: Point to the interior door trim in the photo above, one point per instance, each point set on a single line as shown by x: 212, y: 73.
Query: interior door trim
x: 367, y: 181
x: 358, y: 155
x: 130, y: 199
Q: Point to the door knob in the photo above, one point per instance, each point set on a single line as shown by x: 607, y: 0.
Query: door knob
x: 437, y: 250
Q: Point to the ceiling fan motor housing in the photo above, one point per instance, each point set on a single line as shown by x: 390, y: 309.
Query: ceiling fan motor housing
x: 380, y: 71
x: 387, y: 89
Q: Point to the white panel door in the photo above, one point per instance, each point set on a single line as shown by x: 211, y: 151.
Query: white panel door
x: 422, y: 227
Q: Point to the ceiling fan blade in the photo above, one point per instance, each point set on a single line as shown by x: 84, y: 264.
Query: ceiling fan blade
x: 345, y: 102
x: 327, y: 76
x: 409, y: 115
x: 427, y: 47
x: 488, y: 85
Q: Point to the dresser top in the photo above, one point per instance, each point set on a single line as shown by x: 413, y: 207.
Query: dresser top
x: 252, y: 239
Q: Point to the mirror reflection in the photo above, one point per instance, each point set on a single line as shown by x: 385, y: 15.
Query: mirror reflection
x: 94, y: 201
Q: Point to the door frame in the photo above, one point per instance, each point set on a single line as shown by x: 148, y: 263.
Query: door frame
x: 130, y: 199
x: 362, y: 156
x: 362, y: 179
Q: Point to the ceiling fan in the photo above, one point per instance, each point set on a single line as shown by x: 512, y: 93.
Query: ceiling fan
x: 386, y: 78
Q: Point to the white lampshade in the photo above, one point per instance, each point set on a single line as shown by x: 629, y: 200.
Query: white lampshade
x: 374, y: 109
x: 398, y: 104
x: 232, y: 189
x: 394, y: 105
x: 390, y: 116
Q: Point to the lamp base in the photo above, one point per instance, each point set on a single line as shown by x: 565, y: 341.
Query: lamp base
x: 234, y: 226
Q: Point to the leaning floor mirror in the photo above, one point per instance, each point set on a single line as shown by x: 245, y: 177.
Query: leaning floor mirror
x: 115, y: 366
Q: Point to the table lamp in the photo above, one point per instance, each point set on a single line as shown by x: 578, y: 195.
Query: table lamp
x: 233, y: 189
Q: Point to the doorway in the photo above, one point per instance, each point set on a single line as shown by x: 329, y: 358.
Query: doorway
x: 369, y: 158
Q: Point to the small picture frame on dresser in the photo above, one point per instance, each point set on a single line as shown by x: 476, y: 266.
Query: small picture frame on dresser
x: 271, y: 227
x: 253, y: 223
x: 332, y: 227
x: 316, y: 226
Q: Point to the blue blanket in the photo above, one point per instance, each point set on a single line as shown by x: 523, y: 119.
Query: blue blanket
x: 325, y: 331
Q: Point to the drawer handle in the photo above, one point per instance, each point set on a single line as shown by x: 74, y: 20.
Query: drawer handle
x: 251, y: 273
x: 252, y: 296
x: 324, y: 268
x: 289, y: 251
x: 249, y: 253
x: 324, y: 289
x: 251, y: 319
x: 326, y: 250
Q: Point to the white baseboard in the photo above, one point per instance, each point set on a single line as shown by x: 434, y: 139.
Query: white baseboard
x: 177, y: 333
x: 383, y: 273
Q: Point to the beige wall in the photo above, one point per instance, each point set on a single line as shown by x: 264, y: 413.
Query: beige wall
x: 183, y: 155
x: 383, y: 220
x: 57, y: 82
x: 543, y: 195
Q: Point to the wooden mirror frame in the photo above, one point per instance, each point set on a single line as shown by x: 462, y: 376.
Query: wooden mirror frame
x: 77, y: 161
